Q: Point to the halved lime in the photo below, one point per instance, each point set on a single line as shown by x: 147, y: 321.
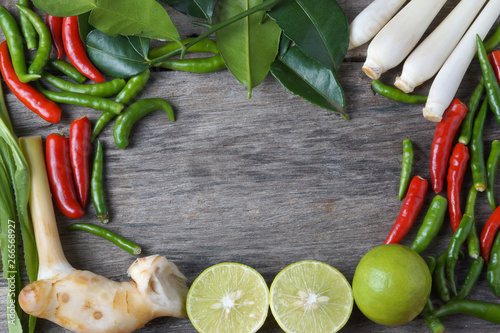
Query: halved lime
x: 228, y: 297
x: 311, y: 296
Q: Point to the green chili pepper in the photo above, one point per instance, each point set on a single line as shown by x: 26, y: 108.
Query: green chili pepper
x: 406, y: 167
x: 493, y: 41
x: 27, y: 28
x: 475, y: 269
x: 105, y: 89
x: 482, y: 310
x: 16, y: 47
x: 97, y: 187
x: 195, y: 65
x: 477, y: 163
x: 94, y: 102
x: 101, y: 122
x: 439, y: 278
x: 468, y: 121
x: 42, y: 55
x: 431, y: 264
x: 133, y: 87
x: 472, y: 239
x: 434, y: 324
x: 431, y: 224
x: 458, y: 238
x: 120, y: 241
x: 473, y: 244
x: 68, y: 69
x: 491, y: 171
x: 203, y: 46
x: 470, y: 203
x: 396, y: 94
x: 493, y: 271
x: 489, y: 78
x: 125, y: 96
x: 134, y: 112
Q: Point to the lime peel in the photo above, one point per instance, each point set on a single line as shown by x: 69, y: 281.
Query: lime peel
x: 391, y: 284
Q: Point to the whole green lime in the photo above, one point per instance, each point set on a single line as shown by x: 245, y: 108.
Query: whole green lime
x: 391, y: 284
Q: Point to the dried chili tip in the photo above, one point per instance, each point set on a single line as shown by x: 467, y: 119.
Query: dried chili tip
x: 410, y: 209
x: 444, y: 134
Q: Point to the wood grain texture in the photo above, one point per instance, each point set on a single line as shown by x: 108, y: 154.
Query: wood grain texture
x: 265, y: 181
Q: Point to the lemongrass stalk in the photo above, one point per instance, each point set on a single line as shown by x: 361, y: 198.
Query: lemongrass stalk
x: 399, y: 36
x: 51, y: 257
x: 446, y: 83
x: 371, y: 19
x: 426, y: 60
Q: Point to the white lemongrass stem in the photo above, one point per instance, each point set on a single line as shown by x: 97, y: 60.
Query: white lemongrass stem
x: 448, y: 79
x: 426, y: 60
x: 399, y: 36
x: 371, y: 19
x: 52, y: 260
x: 82, y: 301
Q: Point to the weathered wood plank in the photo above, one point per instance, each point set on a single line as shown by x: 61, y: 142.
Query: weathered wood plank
x: 265, y: 181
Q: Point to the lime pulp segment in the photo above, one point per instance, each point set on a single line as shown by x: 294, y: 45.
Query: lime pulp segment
x: 228, y: 297
x: 311, y: 296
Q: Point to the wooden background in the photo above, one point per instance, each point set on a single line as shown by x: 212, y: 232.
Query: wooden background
x: 265, y: 181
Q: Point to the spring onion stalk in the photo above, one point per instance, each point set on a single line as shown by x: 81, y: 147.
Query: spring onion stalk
x: 399, y: 36
x: 14, y: 219
x: 369, y: 22
x: 9, y: 247
x: 447, y: 80
x: 82, y: 301
x: 426, y: 60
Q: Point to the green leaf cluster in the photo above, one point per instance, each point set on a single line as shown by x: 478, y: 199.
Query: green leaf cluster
x: 202, y: 9
x: 301, y: 42
x: 145, y: 18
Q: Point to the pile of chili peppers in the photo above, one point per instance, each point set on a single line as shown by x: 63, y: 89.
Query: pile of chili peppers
x: 449, y: 163
x: 68, y: 160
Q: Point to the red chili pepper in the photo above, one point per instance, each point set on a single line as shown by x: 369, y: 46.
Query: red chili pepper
x: 443, y: 140
x: 79, y: 150
x: 28, y: 95
x: 409, y: 210
x: 456, y: 172
x: 55, y: 26
x: 75, y: 49
x: 494, y: 58
x: 61, y: 177
x: 488, y: 234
